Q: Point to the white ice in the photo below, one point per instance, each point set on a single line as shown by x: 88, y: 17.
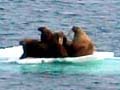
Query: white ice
x: 13, y: 54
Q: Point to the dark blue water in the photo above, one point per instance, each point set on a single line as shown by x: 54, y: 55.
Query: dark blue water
x: 101, y: 20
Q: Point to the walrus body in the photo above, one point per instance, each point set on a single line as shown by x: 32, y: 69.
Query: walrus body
x: 56, y: 48
x: 37, y: 48
x: 81, y: 44
x: 33, y: 48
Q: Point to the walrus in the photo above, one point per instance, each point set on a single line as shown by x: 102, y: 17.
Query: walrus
x: 67, y: 45
x: 37, y: 48
x: 56, y: 48
x: 33, y: 48
x: 81, y: 44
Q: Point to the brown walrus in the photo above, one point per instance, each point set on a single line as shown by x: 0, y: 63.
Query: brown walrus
x: 33, y: 48
x: 56, y: 48
x: 67, y: 45
x: 81, y: 44
x: 37, y: 48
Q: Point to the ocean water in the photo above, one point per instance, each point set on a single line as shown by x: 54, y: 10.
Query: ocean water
x: 100, y: 19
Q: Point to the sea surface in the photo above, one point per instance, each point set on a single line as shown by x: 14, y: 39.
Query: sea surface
x: 20, y: 19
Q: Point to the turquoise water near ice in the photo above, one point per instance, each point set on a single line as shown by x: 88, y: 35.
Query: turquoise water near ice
x: 98, y: 67
x: 90, y: 75
x: 100, y: 18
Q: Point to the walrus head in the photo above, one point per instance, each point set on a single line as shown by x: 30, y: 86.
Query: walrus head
x: 42, y: 29
x: 78, y: 33
x: 46, y: 34
x: 58, y: 38
x: 76, y: 29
